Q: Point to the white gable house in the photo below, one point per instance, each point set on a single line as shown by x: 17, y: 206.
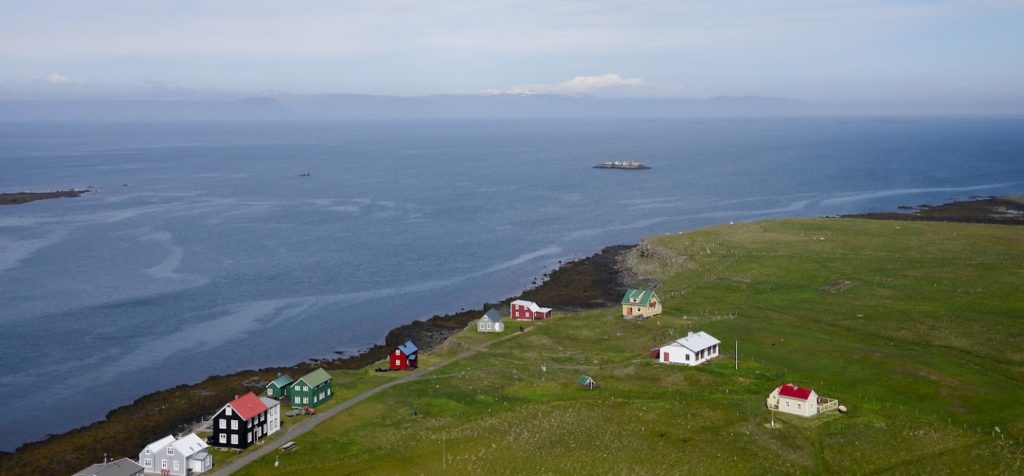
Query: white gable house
x: 694, y: 349
x: 490, y: 322
x: 179, y: 457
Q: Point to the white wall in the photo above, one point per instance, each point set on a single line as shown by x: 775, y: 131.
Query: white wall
x: 682, y: 355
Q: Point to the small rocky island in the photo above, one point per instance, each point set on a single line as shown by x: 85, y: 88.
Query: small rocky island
x: 18, y: 198
x: 622, y: 164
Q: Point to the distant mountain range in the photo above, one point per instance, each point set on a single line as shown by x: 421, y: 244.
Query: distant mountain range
x: 300, y: 107
x: 356, y: 106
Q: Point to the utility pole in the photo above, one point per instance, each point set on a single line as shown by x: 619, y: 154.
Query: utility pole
x: 737, y: 352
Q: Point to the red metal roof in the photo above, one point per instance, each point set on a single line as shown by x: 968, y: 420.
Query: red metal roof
x: 248, y: 406
x: 792, y: 391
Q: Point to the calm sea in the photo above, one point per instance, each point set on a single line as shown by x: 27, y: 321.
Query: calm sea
x: 205, y: 250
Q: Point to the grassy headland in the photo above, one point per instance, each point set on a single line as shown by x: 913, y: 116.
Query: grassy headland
x: 917, y: 327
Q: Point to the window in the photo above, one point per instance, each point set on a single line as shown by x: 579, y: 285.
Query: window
x: 234, y: 439
x: 177, y: 465
x: 148, y: 451
x: 787, y: 404
x: 223, y: 423
x: 148, y: 462
x: 687, y: 357
x: 234, y: 424
x: 227, y: 410
x: 798, y: 406
x: 328, y: 391
x: 163, y: 464
x: 248, y: 437
x: 223, y: 438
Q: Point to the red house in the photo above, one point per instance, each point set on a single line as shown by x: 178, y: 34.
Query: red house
x: 521, y: 310
x: 405, y: 357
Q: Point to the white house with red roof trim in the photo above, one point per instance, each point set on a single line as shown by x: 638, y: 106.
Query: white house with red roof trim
x: 795, y: 400
x: 522, y: 310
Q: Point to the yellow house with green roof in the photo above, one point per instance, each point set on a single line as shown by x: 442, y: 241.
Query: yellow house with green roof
x: 640, y: 304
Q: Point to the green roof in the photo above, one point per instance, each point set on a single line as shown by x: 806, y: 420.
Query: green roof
x: 282, y: 381
x: 584, y: 379
x: 316, y: 377
x: 643, y: 295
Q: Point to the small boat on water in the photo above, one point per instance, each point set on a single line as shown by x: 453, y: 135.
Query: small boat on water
x: 622, y: 164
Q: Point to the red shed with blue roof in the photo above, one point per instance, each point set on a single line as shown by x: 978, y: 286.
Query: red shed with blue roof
x: 405, y: 357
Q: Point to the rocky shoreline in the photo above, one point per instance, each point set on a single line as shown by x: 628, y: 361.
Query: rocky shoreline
x: 596, y: 281
x: 977, y: 209
x: 19, y: 198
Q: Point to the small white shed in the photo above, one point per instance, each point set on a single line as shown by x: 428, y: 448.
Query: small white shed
x: 694, y: 349
x: 490, y: 322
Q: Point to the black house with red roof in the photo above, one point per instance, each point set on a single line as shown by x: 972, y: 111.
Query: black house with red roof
x: 240, y: 423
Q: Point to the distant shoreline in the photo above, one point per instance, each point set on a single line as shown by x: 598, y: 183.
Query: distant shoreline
x: 990, y: 210
x: 20, y: 198
x: 595, y: 281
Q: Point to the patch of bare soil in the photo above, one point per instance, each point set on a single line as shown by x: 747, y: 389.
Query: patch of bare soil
x: 836, y: 287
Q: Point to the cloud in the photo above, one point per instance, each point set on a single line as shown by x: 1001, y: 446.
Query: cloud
x: 609, y: 84
x: 585, y: 84
x: 56, y: 78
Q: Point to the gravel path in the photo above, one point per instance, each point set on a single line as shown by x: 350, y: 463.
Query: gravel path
x: 295, y: 430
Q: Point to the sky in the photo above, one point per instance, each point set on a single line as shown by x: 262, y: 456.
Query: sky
x: 814, y: 50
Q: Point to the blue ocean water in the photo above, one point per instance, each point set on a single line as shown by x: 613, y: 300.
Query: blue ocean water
x: 205, y: 251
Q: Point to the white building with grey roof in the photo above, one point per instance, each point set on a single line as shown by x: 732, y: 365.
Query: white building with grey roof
x: 490, y: 322
x: 694, y: 349
x: 176, y: 456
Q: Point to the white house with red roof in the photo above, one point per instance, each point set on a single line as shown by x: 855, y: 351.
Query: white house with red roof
x: 240, y: 423
x: 522, y: 310
x: 795, y: 400
x: 694, y: 349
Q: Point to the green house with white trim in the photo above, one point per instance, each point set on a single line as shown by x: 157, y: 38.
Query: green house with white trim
x: 279, y: 387
x: 311, y: 390
x: 640, y: 304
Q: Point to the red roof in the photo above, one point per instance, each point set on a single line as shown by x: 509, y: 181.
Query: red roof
x: 247, y: 406
x: 792, y: 391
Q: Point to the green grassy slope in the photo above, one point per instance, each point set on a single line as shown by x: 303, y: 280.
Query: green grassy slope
x: 917, y: 327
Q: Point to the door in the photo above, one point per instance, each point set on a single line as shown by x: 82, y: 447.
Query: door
x: 629, y: 310
x: 664, y: 356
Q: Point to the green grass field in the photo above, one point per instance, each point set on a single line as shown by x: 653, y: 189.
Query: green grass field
x: 917, y: 327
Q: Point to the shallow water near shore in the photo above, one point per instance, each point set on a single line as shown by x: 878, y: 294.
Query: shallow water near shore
x: 207, y: 249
